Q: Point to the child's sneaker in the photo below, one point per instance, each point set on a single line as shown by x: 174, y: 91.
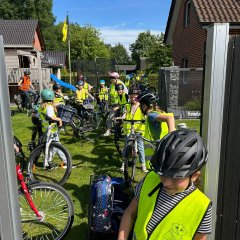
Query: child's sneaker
x: 122, y: 167
x: 144, y: 169
x: 107, y: 133
x: 50, y: 166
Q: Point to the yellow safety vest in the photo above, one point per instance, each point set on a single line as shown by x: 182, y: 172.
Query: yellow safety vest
x: 86, y: 86
x: 113, y: 93
x: 123, y: 99
x: 149, y: 151
x: 58, y: 99
x: 81, y: 95
x: 45, y: 123
x: 103, y: 93
x: 181, y: 222
x: 138, y: 115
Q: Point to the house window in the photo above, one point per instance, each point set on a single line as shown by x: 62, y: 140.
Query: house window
x: 187, y: 11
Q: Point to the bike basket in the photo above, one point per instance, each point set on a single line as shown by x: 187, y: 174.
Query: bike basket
x: 66, y: 112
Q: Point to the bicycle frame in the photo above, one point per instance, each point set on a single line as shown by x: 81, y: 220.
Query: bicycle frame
x: 48, y: 137
x: 26, y: 192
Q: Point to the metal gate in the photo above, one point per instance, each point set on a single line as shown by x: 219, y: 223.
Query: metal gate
x: 228, y: 207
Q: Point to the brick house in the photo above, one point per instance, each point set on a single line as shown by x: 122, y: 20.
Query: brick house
x: 187, y: 23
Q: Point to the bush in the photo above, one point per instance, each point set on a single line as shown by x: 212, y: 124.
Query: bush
x: 194, y: 105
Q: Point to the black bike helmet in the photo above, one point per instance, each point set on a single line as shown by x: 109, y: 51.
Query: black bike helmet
x: 147, y: 98
x: 134, y: 90
x: 56, y: 86
x: 119, y: 87
x: 180, y: 154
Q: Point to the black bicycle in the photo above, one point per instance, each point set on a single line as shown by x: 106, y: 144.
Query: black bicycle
x: 131, y: 150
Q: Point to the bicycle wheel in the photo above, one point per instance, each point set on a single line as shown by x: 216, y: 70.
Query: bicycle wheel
x: 118, y: 138
x: 55, y: 206
x: 58, y: 172
x: 72, y: 128
x: 130, y: 162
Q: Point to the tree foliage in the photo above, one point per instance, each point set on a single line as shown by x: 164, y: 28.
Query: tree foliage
x: 142, y: 46
x: 119, y: 53
x: 86, y: 43
x: 152, y: 47
x: 160, y: 55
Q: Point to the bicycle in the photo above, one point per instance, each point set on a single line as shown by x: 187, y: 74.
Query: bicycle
x: 86, y: 124
x: 46, y: 209
x: 32, y: 101
x: 49, y: 161
x: 131, y: 150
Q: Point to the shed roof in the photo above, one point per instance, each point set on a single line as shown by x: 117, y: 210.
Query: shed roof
x: 19, y: 32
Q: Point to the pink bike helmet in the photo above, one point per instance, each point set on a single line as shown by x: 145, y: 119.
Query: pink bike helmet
x: 114, y: 75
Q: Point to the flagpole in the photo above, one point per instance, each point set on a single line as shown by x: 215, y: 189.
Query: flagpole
x: 69, y: 54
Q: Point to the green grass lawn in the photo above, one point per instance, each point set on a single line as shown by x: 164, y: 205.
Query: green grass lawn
x: 99, y: 157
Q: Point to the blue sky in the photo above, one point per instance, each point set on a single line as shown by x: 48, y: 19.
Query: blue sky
x: 117, y: 20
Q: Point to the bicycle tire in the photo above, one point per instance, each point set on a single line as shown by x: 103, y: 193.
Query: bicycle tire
x: 54, y: 203
x: 130, y: 162
x: 59, y: 174
x: 72, y: 128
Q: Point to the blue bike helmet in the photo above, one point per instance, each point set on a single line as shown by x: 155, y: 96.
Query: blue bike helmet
x: 102, y: 81
x: 80, y: 83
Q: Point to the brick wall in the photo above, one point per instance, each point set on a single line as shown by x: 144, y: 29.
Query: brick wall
x: 188, y: 42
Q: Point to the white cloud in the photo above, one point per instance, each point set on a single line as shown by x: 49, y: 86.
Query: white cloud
x: 126, y: 37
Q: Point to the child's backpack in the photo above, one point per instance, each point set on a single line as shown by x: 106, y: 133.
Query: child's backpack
x: 102, y: 203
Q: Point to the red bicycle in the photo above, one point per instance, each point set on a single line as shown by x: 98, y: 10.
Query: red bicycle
x: 46, y: 209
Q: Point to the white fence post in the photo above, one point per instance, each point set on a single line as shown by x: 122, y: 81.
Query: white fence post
x: 10, y: 227
x: 214, y: 89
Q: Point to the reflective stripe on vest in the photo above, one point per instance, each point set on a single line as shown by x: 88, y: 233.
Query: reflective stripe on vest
x: 26, y: 82
x: 81, y: 95
x: 138, y: 115
x: 103, y: 93
x: 181, y: 222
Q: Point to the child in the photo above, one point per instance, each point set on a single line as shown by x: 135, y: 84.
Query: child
x: 133, y: 112
x: 59, y: 97
x: 48, y: 111
x: 103, y: 96
x: 167, y: 205
x: 81, y: 96
x: 121, y: 99
x: 158, y: 123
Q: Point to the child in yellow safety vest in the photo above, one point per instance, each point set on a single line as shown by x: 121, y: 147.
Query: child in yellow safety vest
x: 48, y: 111
x: 158, y: 123
x: 133, y: 111
x: 59, y: 97
x: 81, y: 95
x: 167, y: 204
x: 121, y: 100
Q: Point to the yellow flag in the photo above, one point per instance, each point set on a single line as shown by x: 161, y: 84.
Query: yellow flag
x: 65, y: 30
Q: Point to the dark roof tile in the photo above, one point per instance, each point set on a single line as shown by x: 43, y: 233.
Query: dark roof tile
x: 210, y: 11
x: 54, y: 58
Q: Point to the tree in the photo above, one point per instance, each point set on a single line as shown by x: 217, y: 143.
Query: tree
x: 119, y: 53
x: 141, y: 48
x: 86, y: 43
x: 160, y: 55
